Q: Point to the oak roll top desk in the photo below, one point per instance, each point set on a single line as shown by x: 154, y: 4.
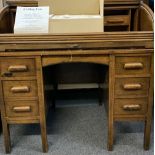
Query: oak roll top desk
x: 126, y: 47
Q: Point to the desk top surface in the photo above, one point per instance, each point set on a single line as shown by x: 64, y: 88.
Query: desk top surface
x: 104, y: 40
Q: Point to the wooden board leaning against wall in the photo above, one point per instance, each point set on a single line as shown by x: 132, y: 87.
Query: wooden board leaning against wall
x: 1, y: 4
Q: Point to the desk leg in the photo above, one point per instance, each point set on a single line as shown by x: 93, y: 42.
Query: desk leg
x: 111, y: 103
x: 6, y: 133
x: 55, y: 91
x: 5, y: 125
x: 42, y: 106
x: 147, y: 134
x: 148, y: 121
x: 110, y: 136
x: 44, y: 137
x: 100, y: 92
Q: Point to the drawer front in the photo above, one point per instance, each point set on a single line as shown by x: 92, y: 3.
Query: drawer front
x: 15, y: 67
x: 19, y: 89
x: 133, y: 65
x: 21, y: 108
x: 116, y: 20
x: 130, y: 106
x: 131, y: 87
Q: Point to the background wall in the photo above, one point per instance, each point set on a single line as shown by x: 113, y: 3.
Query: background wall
x: 1, y: 4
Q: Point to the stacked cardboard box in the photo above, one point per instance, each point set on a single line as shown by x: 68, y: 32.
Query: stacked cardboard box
x: 75, y: 16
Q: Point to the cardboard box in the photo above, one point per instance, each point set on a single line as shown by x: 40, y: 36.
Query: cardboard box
x: 75, y: 16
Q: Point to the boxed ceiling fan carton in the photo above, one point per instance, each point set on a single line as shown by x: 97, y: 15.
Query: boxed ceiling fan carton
x: 74, y: 16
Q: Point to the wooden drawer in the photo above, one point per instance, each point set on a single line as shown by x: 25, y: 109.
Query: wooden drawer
x: 131, y: 65
x: 117, y: 20
x: 136, y: 106
x: 131, y: 87
x: 21, y: 108
x: 17, y: 67
x: 18, y: 89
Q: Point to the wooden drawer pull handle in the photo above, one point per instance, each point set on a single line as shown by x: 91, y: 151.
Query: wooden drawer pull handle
x: 18, y: 68
x: 132, y: 107
x: 132, y: 86
x: 115, y: 21
x: 22, y: 109
x: 22, y: 89
x: 133, y: 65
